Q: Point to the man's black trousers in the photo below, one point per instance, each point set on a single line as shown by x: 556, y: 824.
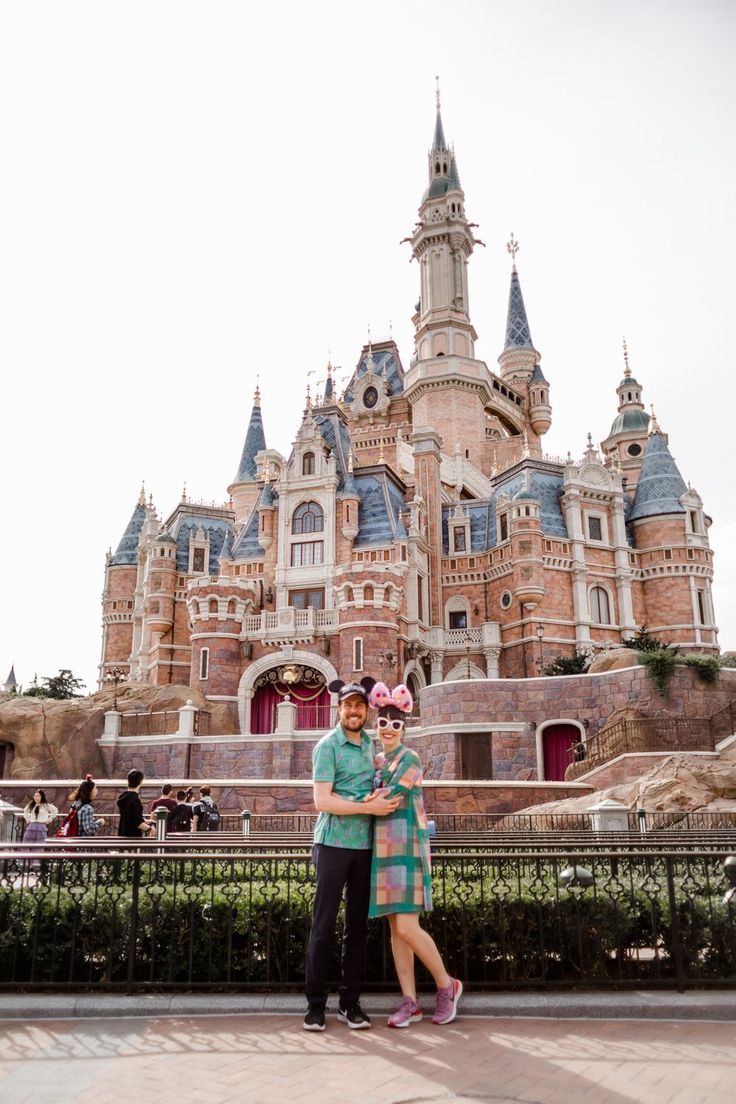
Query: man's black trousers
x: 338, y: 868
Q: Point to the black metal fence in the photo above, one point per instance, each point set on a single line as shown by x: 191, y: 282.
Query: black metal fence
x: 166, y: 917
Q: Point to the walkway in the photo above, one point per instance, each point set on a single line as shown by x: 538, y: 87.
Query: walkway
x: 268, y: 1059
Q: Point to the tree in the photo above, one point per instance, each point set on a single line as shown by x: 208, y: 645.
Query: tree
x: 643, y: 641
x: 60, y: 687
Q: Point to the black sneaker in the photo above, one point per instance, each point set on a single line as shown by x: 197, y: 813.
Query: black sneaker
x: 314, y: 1019
x: 353, y: 1015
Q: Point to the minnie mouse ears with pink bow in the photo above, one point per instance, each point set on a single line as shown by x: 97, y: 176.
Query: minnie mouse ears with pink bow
x: 400, y: 697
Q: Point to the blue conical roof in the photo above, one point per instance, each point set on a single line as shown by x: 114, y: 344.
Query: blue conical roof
x: 127, y: 551
x: 660, y: 483
x: 438, y: 141
x: 518, y: 335
x: 255, y: 441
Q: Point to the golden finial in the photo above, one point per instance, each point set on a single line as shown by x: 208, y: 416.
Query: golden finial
x: 526, y: 451
x: 653, y: 423
x: 437, y: 91
x: 627, y: 369
x: 381, y: 457
x: 308, y: 399
x: 184, y: 493
x: 142, y: 495
x: 513, y: 248
x: 257, y: 396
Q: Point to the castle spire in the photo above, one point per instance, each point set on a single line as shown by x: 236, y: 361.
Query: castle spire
x: 518, y: 334
x: 660, y: 484
x: 438, y: 141
x: 255, y: 441
x: 127, y: 551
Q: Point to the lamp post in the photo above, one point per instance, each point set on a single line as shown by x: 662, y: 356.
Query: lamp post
x: 467, y: 656
x: 112, y: 678
x: 540, y: 638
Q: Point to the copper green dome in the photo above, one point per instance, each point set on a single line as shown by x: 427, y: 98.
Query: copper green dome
x: 632, y: 420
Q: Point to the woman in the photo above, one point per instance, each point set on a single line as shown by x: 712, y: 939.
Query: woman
x: 81, y: 800
x: 38, y: 814
x: 401, y: 884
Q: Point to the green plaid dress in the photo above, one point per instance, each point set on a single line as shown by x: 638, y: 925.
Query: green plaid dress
x: 401, y: 870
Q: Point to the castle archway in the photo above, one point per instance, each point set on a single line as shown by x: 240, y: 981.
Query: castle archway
x: 555, y: 742
x: 262, y: 686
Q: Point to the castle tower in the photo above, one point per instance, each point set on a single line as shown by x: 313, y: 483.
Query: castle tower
x: 627, y: 438
x: 158, y: 609
x: 244, y: 489
x: 121, y: 573
x: 520, y: 362
x: 445, y: 385
x: 677, y: 573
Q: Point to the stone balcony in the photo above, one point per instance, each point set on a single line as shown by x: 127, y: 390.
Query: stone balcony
x: 289, y: 625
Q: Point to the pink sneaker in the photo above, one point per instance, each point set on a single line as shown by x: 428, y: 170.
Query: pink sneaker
x: 446, y: 1007
x: 407, y: 1013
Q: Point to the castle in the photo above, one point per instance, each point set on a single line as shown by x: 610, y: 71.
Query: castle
x: 418, y: 530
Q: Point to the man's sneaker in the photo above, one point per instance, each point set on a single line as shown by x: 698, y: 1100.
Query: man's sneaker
x: 353, y: 1015
x: 446, y: 1008
x: 407, y: 1013
x: 314, y: 1019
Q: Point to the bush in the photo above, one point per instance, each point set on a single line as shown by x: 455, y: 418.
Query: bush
x: 660, y: 663
x: 705, y: 666
x: 576, y: 664
x: 645, y: 642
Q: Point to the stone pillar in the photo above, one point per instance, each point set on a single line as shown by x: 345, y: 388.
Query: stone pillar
x: 111, y: 730
x: 436, y: 661
x: 186, y: 720
x: 285, y: 718
x: 491, y: 656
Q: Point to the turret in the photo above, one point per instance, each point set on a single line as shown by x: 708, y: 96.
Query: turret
x: 244, y: 489
x: 526, y: 548
x: 627, y: 438
x: 350, y: 503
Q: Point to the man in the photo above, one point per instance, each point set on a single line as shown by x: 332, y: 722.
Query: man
x: 164, y: 800
x: 205, y: 814
x: 132, y: 821
x: 342, y: 775
x: 180, y: 817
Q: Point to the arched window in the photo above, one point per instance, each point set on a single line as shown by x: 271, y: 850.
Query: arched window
x: 600, y: 610
x: 368, y: 593
x: 308, y: 463
x: 231, y: 606
x: 308, y: 518
x: 213, y: 605
x: 349, y: 594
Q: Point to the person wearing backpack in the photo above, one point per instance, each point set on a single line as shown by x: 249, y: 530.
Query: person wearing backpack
x: 81, y: 821
x: 205, y: 814
x: 179, y: 819
x: 133, y: 823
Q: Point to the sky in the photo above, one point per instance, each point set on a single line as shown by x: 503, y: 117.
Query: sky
x: 198, y: 196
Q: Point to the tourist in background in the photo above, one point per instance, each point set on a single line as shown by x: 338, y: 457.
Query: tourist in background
x: 38, y: 814
x: 81, y: 799
x: 179, y: 819
x: 205, y: 814
x: 165, y: 800
x: 132, y: 822
x: 401, y: 871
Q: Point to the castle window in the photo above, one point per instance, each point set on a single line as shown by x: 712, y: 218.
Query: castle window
x: 701, y: 607
x: 308, y: 518
x: 308, y: 463
x: 458, y: 537
x: 595, y: 528
x: 599, y: 606
x: 358, y: 653
x: 368, y: 593
x: 180, y: 581
x: 694, y: 520
x: 634, y: 450
x: 213, y: 605
x: 307, y: 553
x: 503, y: 523
x: 458, y: 619
x: 198, y: 560
x: 506, y: 599
x: 307, y: 597
x: 204, y: 663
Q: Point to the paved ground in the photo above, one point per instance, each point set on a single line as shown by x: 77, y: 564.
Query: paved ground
x: 268, y: 1059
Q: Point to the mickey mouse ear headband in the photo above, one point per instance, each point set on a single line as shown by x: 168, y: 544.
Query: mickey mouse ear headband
x: 349, y: 689
x: 400, y: 697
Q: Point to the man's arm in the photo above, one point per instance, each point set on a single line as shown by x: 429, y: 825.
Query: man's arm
x: 328, y: 802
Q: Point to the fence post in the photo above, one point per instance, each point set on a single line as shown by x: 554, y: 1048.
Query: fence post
x: 675, y: 936
x: 186, y: 720
x: 642, y: 815
x: 133, y: 933
x: 161, y: 814
x: 111, y: 728
x: 245, y: 815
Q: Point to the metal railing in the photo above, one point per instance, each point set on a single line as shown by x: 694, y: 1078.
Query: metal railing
x: 161, y: 723
x: 517, y: 918
x: 645, y: 734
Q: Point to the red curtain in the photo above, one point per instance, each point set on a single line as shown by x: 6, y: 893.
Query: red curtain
x: 312, y: 712
x: 557, y: 742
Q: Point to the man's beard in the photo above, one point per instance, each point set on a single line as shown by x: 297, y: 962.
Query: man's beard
x: 352, y: 724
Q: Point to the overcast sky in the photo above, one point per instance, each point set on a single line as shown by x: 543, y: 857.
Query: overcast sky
x: 192, y: 194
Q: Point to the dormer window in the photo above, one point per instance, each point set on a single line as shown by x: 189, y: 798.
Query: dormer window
x: 308, y: 463
x: 198, y: 561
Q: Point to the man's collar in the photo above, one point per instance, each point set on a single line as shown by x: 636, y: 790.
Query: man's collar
x: 342, y: 738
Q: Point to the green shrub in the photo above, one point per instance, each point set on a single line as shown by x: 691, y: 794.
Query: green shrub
x: 576, y: 664
x: 660, y: 663
x: 705, y: 666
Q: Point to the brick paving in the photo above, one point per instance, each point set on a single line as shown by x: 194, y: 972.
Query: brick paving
x: 268, y: 1059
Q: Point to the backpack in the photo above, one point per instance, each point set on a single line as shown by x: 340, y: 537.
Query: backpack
x: 69, y: 825
x: 179, y: 820
x: 209, y: 817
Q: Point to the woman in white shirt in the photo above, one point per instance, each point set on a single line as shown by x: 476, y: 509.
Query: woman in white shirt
x: 38, y: 814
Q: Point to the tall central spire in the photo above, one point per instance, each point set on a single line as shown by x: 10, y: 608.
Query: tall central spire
x: 438, y: 142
